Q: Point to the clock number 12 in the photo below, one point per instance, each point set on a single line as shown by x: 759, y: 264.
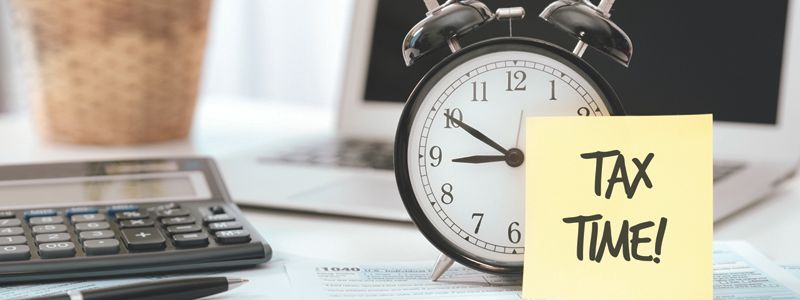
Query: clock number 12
x: 518, y: 75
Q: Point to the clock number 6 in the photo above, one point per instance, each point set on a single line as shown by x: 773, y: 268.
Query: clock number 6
x: 447, y: 193
x: 456, y: 114
x: 480, y: 219
x: 436, y: 154
x: 513, y: 233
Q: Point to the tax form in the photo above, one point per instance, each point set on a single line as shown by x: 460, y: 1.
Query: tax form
x: 410, y: 280
x: 741, y: 272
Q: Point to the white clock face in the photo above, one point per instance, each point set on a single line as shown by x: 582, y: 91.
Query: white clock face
x: 467, y: 143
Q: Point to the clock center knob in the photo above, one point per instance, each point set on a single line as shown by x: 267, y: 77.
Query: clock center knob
x: 515, y: 157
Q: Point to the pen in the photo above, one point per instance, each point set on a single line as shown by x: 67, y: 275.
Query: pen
x: 175, y: 289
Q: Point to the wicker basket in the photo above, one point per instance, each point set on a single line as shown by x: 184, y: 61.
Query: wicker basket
x: 112, y: 71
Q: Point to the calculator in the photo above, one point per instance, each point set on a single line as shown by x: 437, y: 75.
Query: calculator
x: 96, y: 219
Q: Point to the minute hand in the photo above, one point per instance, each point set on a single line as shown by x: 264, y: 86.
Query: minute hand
x: 477, y: 134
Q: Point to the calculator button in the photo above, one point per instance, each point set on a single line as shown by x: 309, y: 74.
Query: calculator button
x: 191, y: 239
x: 9, y: 222
x: 92, y: 226
x: 39, y: 213
x: 232, y: 236
x: 88, y: 218
x: 112, y: 210
x: 148, y: 238
x: 13, y: 240
x: 169, y: 206
x: 96, y: 235
x: 80, y: 211
x: 8, y: 231
x: 220, y: 226
x: 178, y: 229
x: 46, y: 220
x: 172, y: 213
x: 218, y: 218
x: 55, y: 228
x: 136, y: 223
x: 101, y: 247
x: 18, y: 252
x: 130, y: 215
x: 7, y: 215
x: 52, y: 237
x: 217, y: 210
x: 57, y: 250
x: 177, y: 221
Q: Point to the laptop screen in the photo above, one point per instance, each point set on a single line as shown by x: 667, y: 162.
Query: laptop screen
x: 689, y: 57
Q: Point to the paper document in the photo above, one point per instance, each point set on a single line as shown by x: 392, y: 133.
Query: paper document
x: 397, y: 281
x: 38, y: 290
x: 741, y: 272
x: 792, y: 268
x: 266, y: 281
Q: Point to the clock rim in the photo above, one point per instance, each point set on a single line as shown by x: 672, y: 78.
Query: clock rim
x: 415, y: 100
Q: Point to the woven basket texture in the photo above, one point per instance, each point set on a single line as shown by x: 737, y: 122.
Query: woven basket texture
x: 112, y: 71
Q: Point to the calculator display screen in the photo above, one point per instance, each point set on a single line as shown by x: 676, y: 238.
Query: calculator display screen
x: 102, y: 190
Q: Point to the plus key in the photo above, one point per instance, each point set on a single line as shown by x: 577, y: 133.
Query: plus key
x: 147, y: 238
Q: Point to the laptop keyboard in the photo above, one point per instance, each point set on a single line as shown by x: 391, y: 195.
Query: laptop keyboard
x: 339, y: 152
x: 725, y: 169
x: 378, y: 155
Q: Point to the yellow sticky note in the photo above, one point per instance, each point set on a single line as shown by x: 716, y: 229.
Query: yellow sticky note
x: 618, y: 208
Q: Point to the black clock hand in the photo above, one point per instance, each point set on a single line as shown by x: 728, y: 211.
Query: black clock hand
x: 477, y: 134
x: 479, y: 159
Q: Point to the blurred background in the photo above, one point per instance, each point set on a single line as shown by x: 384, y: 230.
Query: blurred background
x: 241, y: 59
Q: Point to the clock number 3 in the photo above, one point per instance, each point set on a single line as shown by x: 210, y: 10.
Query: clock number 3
x: 447, y: 193
x: 456, y: 114
x: 480, y: 219
x: 583, y: 111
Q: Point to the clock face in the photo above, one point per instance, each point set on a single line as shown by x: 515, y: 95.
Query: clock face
x: 464, y: 153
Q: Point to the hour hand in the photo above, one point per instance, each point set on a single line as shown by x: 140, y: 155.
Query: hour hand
x: 479, y: 159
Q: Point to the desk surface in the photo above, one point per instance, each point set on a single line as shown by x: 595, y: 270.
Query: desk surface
x: 224, y: 127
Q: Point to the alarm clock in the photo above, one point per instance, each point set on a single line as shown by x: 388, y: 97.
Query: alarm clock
x: 460, y: 143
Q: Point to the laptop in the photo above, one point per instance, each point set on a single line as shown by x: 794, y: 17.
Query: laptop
x: 735, y: 61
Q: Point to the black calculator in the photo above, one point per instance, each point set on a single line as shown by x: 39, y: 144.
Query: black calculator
x: 92, y: 219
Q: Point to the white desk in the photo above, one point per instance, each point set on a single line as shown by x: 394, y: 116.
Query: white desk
x: 225, y: 127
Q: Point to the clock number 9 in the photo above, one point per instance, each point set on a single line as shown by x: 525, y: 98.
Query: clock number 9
x: 456, y: 114
x: 436, y: 154
x: 447, y: 193
x: 583, y: 111
x: 513, y: 233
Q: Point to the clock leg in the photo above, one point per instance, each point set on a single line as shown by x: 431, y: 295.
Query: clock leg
x: 442, y: 264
